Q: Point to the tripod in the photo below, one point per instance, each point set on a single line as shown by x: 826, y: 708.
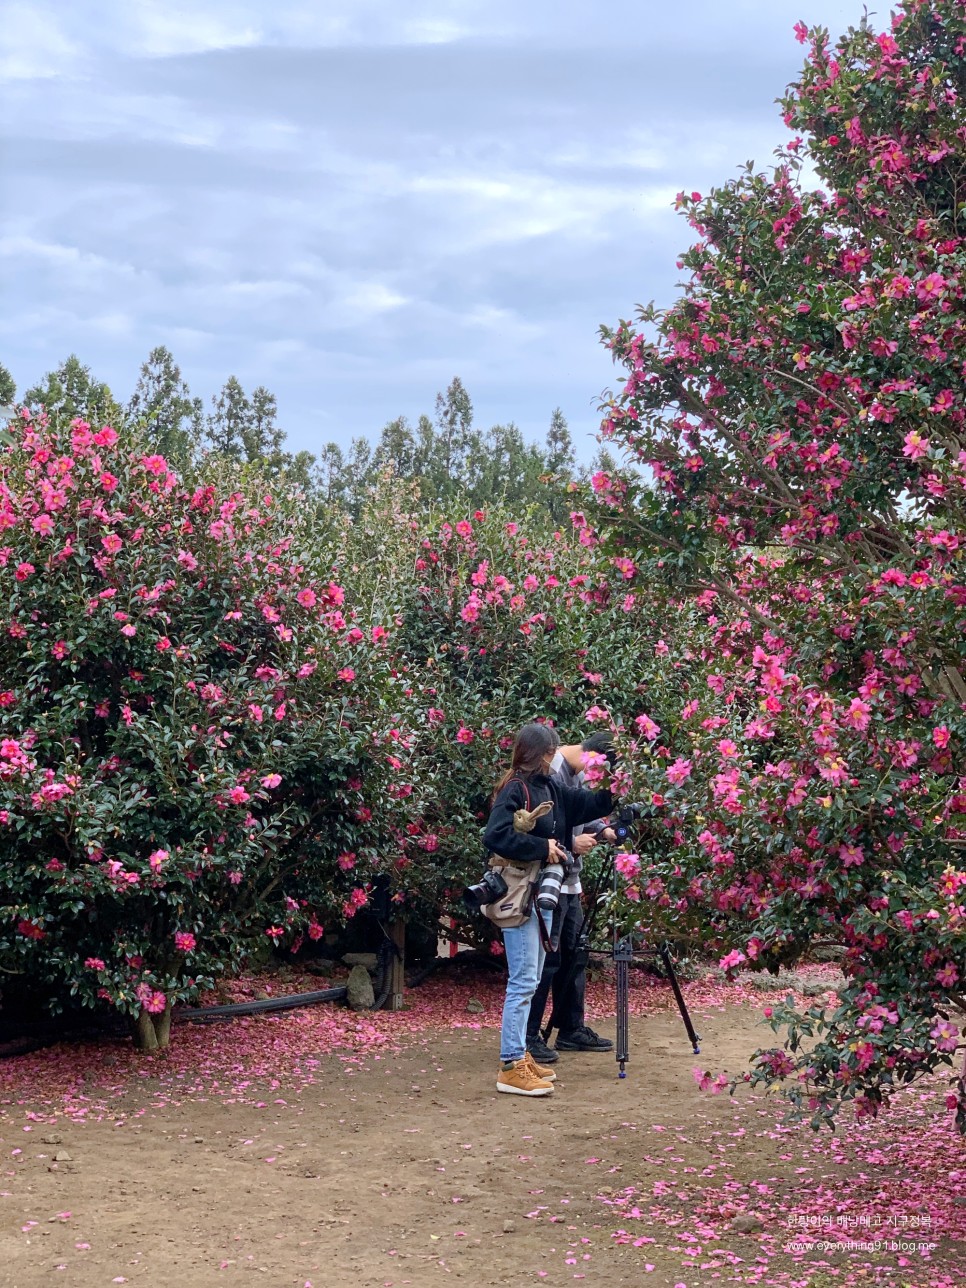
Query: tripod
x: 623, y: 954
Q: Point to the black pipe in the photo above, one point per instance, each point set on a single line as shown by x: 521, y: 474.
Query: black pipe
x: 202, y: 1014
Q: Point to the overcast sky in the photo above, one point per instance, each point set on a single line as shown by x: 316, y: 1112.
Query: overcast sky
x: 352, y: 201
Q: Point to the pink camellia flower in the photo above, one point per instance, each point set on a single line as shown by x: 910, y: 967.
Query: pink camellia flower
x: 948, y: 976
x: 940, y: 736
x: 946, y: 1035
x: 105, y: 437
x: 129, y: 630
x: 732, y: 959
x: 307, y: 598
x: 43, y: 524
x: 279, y: 711
x: 156, y: 1003
x: 156, y: 859
x: 464, y: 735
x: 234, y: 878
x: 315, y: 930
x: 24, y: 570
x: 184, y: 941
x: 238, y: 795
x: 647, y: 728
x: 163, y: 644
x: 108, y: 481
x: 94, y: 963
x: 271, y: 780
x: 679, y: 771
x: 628, y: 865
x: 256, y: 712
x: 60, y: 650
x: 346, y: 861
x: 915, y: 446
x: 112, y: 543
x: 464, y: 528
x: 347, y: 675
x: 851, y: 855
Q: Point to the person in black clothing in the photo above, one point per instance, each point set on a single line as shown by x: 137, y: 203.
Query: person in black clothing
x: 564, y: 975
x: 525, y: 785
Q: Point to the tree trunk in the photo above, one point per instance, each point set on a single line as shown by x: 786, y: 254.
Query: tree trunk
x: 152, y: 1032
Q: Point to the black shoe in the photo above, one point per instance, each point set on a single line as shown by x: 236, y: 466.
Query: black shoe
x: 583, y: 1039
x: 540, y: 1051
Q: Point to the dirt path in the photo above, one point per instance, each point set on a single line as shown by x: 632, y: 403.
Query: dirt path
x: 411, y: 1170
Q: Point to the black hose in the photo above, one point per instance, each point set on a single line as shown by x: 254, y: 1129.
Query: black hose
x: 202, y: 1014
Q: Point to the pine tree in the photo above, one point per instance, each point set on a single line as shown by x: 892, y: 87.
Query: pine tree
x: 397, y: 448
x: 230, y: 422
x: 163, y: 402
x: 71, y: 391
x: 560, y: 446
x: 8, y: 389
x: 262, y: 436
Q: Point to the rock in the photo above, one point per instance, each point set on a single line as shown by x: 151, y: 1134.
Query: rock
x: 959, y: 1200
x: 52, y: 1140
x: 369, y: 960
x: 815, y: 989
x: 359, y: 991
x: 827, y: 953
x: 62, y: 1156
x: 509, y: 1227
x: 746, y: 1223
x: 475, y: 1006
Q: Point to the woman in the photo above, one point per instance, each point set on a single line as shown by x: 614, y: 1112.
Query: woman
x: 525, y: 785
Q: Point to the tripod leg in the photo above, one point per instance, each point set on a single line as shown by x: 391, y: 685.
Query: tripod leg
x: 679, y: 998
x: 623, y: 952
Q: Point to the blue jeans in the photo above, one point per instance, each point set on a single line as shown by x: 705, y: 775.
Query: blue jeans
x: 524, y: 959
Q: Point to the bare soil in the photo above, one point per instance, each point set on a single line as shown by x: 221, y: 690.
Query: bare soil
x: 412, y: 1170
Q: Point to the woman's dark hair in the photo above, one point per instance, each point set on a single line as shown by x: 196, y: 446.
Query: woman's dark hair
x: 531, y: 744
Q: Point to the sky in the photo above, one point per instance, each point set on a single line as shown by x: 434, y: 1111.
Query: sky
x: 351, y: 202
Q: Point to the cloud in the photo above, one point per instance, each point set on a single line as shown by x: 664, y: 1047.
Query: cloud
x: 353, y: 202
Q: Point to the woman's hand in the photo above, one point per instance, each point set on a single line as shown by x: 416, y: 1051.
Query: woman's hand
x: 555, y: 852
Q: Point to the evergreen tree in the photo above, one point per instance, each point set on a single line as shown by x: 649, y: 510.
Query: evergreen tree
x: 331, y: 477
x: 262, y: 436
x: 71, y: 391
x: 397, y: 448
x: 230, y: 422
x: 163, y: 401
x: 454, y: 439
x: 8, y: 389
x: 560, y: 446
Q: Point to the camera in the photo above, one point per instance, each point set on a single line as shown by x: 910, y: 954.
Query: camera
x: 548, y: 891
x: 624, y: 819
x: 488, y: 890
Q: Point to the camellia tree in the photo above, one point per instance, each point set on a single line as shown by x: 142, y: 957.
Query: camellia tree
x: 799, y: 412
x: 193, y: 723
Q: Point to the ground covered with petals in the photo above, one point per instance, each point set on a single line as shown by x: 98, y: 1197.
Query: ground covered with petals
x: 326, y: 1147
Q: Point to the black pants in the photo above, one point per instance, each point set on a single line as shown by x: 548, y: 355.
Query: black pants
x: 569, y: 1006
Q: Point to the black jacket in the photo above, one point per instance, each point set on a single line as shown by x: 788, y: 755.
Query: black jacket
x: 571, y: 807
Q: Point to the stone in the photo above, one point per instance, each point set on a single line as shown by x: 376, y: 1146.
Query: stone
x: 360, y: 994
x: 746, y: 1223
x: 475, y: 1006
x: 62, y: 1156
x: 509, y: 1227
x: 827, y: 952
x: 369, y: 960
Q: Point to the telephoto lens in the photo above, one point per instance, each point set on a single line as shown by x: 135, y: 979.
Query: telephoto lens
x: 548, y: 892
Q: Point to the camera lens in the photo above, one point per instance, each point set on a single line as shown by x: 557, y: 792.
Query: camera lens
x: 489, y: 889
x: 548, y: 893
